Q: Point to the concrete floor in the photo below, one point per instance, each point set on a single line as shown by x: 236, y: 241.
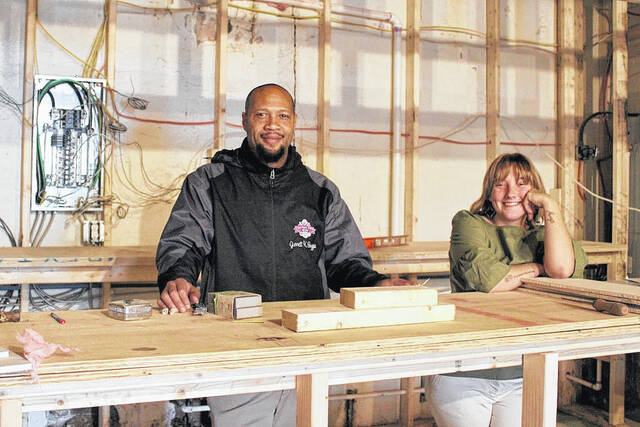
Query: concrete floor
x: 565, y: 420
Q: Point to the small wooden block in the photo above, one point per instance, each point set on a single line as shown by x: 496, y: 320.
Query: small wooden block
x: 388, y: 296
x: 327, y: 318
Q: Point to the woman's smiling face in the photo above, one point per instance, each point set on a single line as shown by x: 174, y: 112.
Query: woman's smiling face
x: 507, y: 198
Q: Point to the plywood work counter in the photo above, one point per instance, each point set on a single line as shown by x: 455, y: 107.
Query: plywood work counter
x: 185, y: 356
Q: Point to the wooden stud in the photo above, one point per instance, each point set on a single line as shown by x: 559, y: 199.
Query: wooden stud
x: 106, y: 294
x: 27, y: 108
x: 312, y: 400
x: 539, y: 389
x: 412, y: 110
x: 568, y: 391
x: 10, y: 412
x: 324, y: 89
x: 220, y: 113
x: 24, y: 297
x: 579, y: 205
x: 493, y: 79
x: 110, y: 60
x: 408, y: 401
x: 595, y: 60
x: 27, y: 99
x: 566, y: 123
x: 616, y: 389
x: 104, y: 416
x: 621, y: 149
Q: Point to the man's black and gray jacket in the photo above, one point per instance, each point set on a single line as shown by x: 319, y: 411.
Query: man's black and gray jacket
x: 283, y: 233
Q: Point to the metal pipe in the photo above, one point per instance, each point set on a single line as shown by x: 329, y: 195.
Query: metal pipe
x: 192, y: 409
x: 597, y: 386
x: 373, y: 394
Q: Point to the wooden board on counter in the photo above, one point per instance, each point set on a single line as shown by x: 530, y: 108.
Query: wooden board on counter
x: 625, y: 293
x: 388, y: 296
x: 331, y: 317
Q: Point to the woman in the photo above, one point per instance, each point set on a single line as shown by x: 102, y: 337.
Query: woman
x: 513, y: 231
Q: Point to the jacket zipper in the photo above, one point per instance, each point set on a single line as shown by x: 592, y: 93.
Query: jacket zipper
x: 272, y: 177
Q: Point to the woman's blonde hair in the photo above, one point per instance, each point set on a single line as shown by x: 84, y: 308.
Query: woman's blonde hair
x: 498, y: 171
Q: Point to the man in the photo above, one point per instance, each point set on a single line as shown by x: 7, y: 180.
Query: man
x: 256, y: 219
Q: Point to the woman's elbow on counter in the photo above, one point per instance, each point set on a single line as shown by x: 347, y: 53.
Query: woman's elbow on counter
x: 559, y: 271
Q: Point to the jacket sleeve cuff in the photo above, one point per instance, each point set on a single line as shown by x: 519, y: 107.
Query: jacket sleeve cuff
x: 188, y: 267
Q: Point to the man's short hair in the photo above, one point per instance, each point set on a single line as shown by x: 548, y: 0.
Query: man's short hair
x: 249, y: 100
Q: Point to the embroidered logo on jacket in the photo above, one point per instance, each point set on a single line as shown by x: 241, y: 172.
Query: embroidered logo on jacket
x: 304, y: 229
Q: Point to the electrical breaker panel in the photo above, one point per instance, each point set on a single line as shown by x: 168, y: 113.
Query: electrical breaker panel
x: 67, y: 154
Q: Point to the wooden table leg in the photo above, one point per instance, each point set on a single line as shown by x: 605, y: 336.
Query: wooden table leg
x: 106, y: 295
x: 540, y: 390
x: 10, y: 412
x: 104, y: 416
x: 24, y: 298
x: 312, y: 400
x: 616, y: 389
x: 616, y: 269
x: 408, y: 401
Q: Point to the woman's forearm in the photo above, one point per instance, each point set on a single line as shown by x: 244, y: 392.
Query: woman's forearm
x: 559, y: 259
x: 516, y: 273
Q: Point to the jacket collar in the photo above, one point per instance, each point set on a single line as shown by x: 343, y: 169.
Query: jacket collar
x: 249, y: 160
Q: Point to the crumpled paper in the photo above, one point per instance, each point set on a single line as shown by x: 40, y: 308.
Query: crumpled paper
x: 36, y: 349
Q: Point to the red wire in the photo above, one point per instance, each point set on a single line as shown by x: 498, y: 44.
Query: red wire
x: 366, y: 132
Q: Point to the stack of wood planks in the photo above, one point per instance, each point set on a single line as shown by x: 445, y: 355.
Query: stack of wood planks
x: 586, y: 292
x: 374, y: 306
x: 11, y: 363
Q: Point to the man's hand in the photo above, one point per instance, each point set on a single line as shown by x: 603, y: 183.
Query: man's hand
x: 394, y: 282
x: 179, y: 294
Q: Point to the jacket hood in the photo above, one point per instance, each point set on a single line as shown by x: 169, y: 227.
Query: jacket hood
x: 244, y: 157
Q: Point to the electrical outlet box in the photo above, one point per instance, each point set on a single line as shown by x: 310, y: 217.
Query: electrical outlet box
x: 93, y: 232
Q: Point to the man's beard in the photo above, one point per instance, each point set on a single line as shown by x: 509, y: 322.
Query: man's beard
x: 268, y: 156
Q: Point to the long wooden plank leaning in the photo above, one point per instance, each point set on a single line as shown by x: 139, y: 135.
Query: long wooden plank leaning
x: 391, y: 296
x: 327, y: 318
x: 627, y: 294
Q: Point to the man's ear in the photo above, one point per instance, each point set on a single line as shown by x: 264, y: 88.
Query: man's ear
x: 244, y: 120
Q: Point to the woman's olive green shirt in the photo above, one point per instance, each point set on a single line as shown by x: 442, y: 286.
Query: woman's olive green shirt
x: 480, y: 256
x: 481, y: 253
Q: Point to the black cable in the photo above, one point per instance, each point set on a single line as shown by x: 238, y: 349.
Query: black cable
x: 584, y: 125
